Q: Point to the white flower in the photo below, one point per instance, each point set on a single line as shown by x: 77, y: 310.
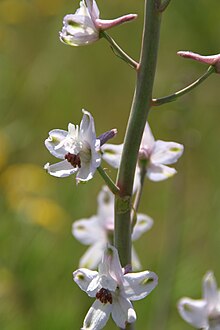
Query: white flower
x: 157, y: 153
x: 203, y: 313
x: 113, y: 291
x: 78, y: 147
x: 97, y: 231
x: 84, y: 26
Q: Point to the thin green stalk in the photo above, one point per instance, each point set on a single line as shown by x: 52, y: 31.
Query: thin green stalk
x: 114, y: 189
x: 187, y: 89
x: 138, y: 116
x: 119, y: 52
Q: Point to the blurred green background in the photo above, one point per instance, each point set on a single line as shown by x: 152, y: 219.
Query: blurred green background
x: 44, y: 85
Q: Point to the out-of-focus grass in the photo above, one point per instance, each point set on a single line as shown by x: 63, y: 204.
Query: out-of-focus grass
x: 45, y: 84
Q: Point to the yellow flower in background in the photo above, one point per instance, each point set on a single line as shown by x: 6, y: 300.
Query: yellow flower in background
x: 43, y: 211
x: 24, y: 186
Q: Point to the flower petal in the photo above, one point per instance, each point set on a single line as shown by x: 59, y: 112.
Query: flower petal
x: 136, y: 265
x: 194, y: 312
x: 87, y: 128
x: 147, y: 141
x: 61, y: 169
x: 93, y: 9
x: 123, y: 312
x: 83, y: 277
x: 159, y: 172
x: 106, y: 209
x: 93, y: 256
x: 54, y: 139
x: 143, y: 224
x: 111, y: 153
x: 166, y: 152
x: 97, y: 316
x: 139, y: 285
x: 210, y: 291
x: 110, y: 265
x: 88, y: 231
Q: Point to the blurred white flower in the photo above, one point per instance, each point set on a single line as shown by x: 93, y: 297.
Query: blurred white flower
x: 98, y: 230
x: 114, y: 290
x: 157, y: 154
x: 78, y: 147
x: 84, y: 26
x: 203, y: 313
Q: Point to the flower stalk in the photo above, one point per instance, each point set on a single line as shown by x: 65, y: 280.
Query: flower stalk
x: 118, y: 51
x: 187, y: 89
x: 138, y: 116
x: 114, y: 189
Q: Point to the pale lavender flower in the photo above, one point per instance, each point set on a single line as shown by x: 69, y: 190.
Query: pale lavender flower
x: 78, y: 148
x: 213, y: 60
x: 97, y: 231
x: 114, y: 290
x: 158, y: 154
x: 84, y: 26
x: 203, y: 313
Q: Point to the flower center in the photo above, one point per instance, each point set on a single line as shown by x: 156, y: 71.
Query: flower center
x: 104, y: 295
x: 74, y: 160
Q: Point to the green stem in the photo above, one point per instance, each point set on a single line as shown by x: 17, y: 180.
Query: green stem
x: 119, y: 52
x: 164, y: 5
x: 114, y: 189
x: 187, y: 89
x: 138, y: 116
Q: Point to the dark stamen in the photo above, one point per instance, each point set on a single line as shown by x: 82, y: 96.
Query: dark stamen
x: 74, y: 160
x: 104, y: 295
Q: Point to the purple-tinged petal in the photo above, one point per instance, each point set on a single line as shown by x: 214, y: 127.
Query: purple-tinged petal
x: 93, y: 9
x: 61, y: 169
x: 194, y: 312
x: 97, y: 316
x: 123, y: 312
x: 159, y: 172
x: 138, y: 285
x: 166, y: 152
x: 83, y: 277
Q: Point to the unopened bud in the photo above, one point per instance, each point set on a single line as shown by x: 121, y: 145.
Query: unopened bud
x: 107, y: 136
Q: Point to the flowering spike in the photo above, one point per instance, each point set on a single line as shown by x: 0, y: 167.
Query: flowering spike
x: 213, y: 60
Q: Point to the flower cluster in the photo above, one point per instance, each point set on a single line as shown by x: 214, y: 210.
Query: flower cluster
x: 114, y: 289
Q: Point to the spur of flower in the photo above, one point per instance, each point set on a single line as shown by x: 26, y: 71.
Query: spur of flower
x: 78, y: 148
x: 84, y: 27
x: 97, y: 231
x: 203, y: 313
x: 155, y: 154
x: 113, y: 289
